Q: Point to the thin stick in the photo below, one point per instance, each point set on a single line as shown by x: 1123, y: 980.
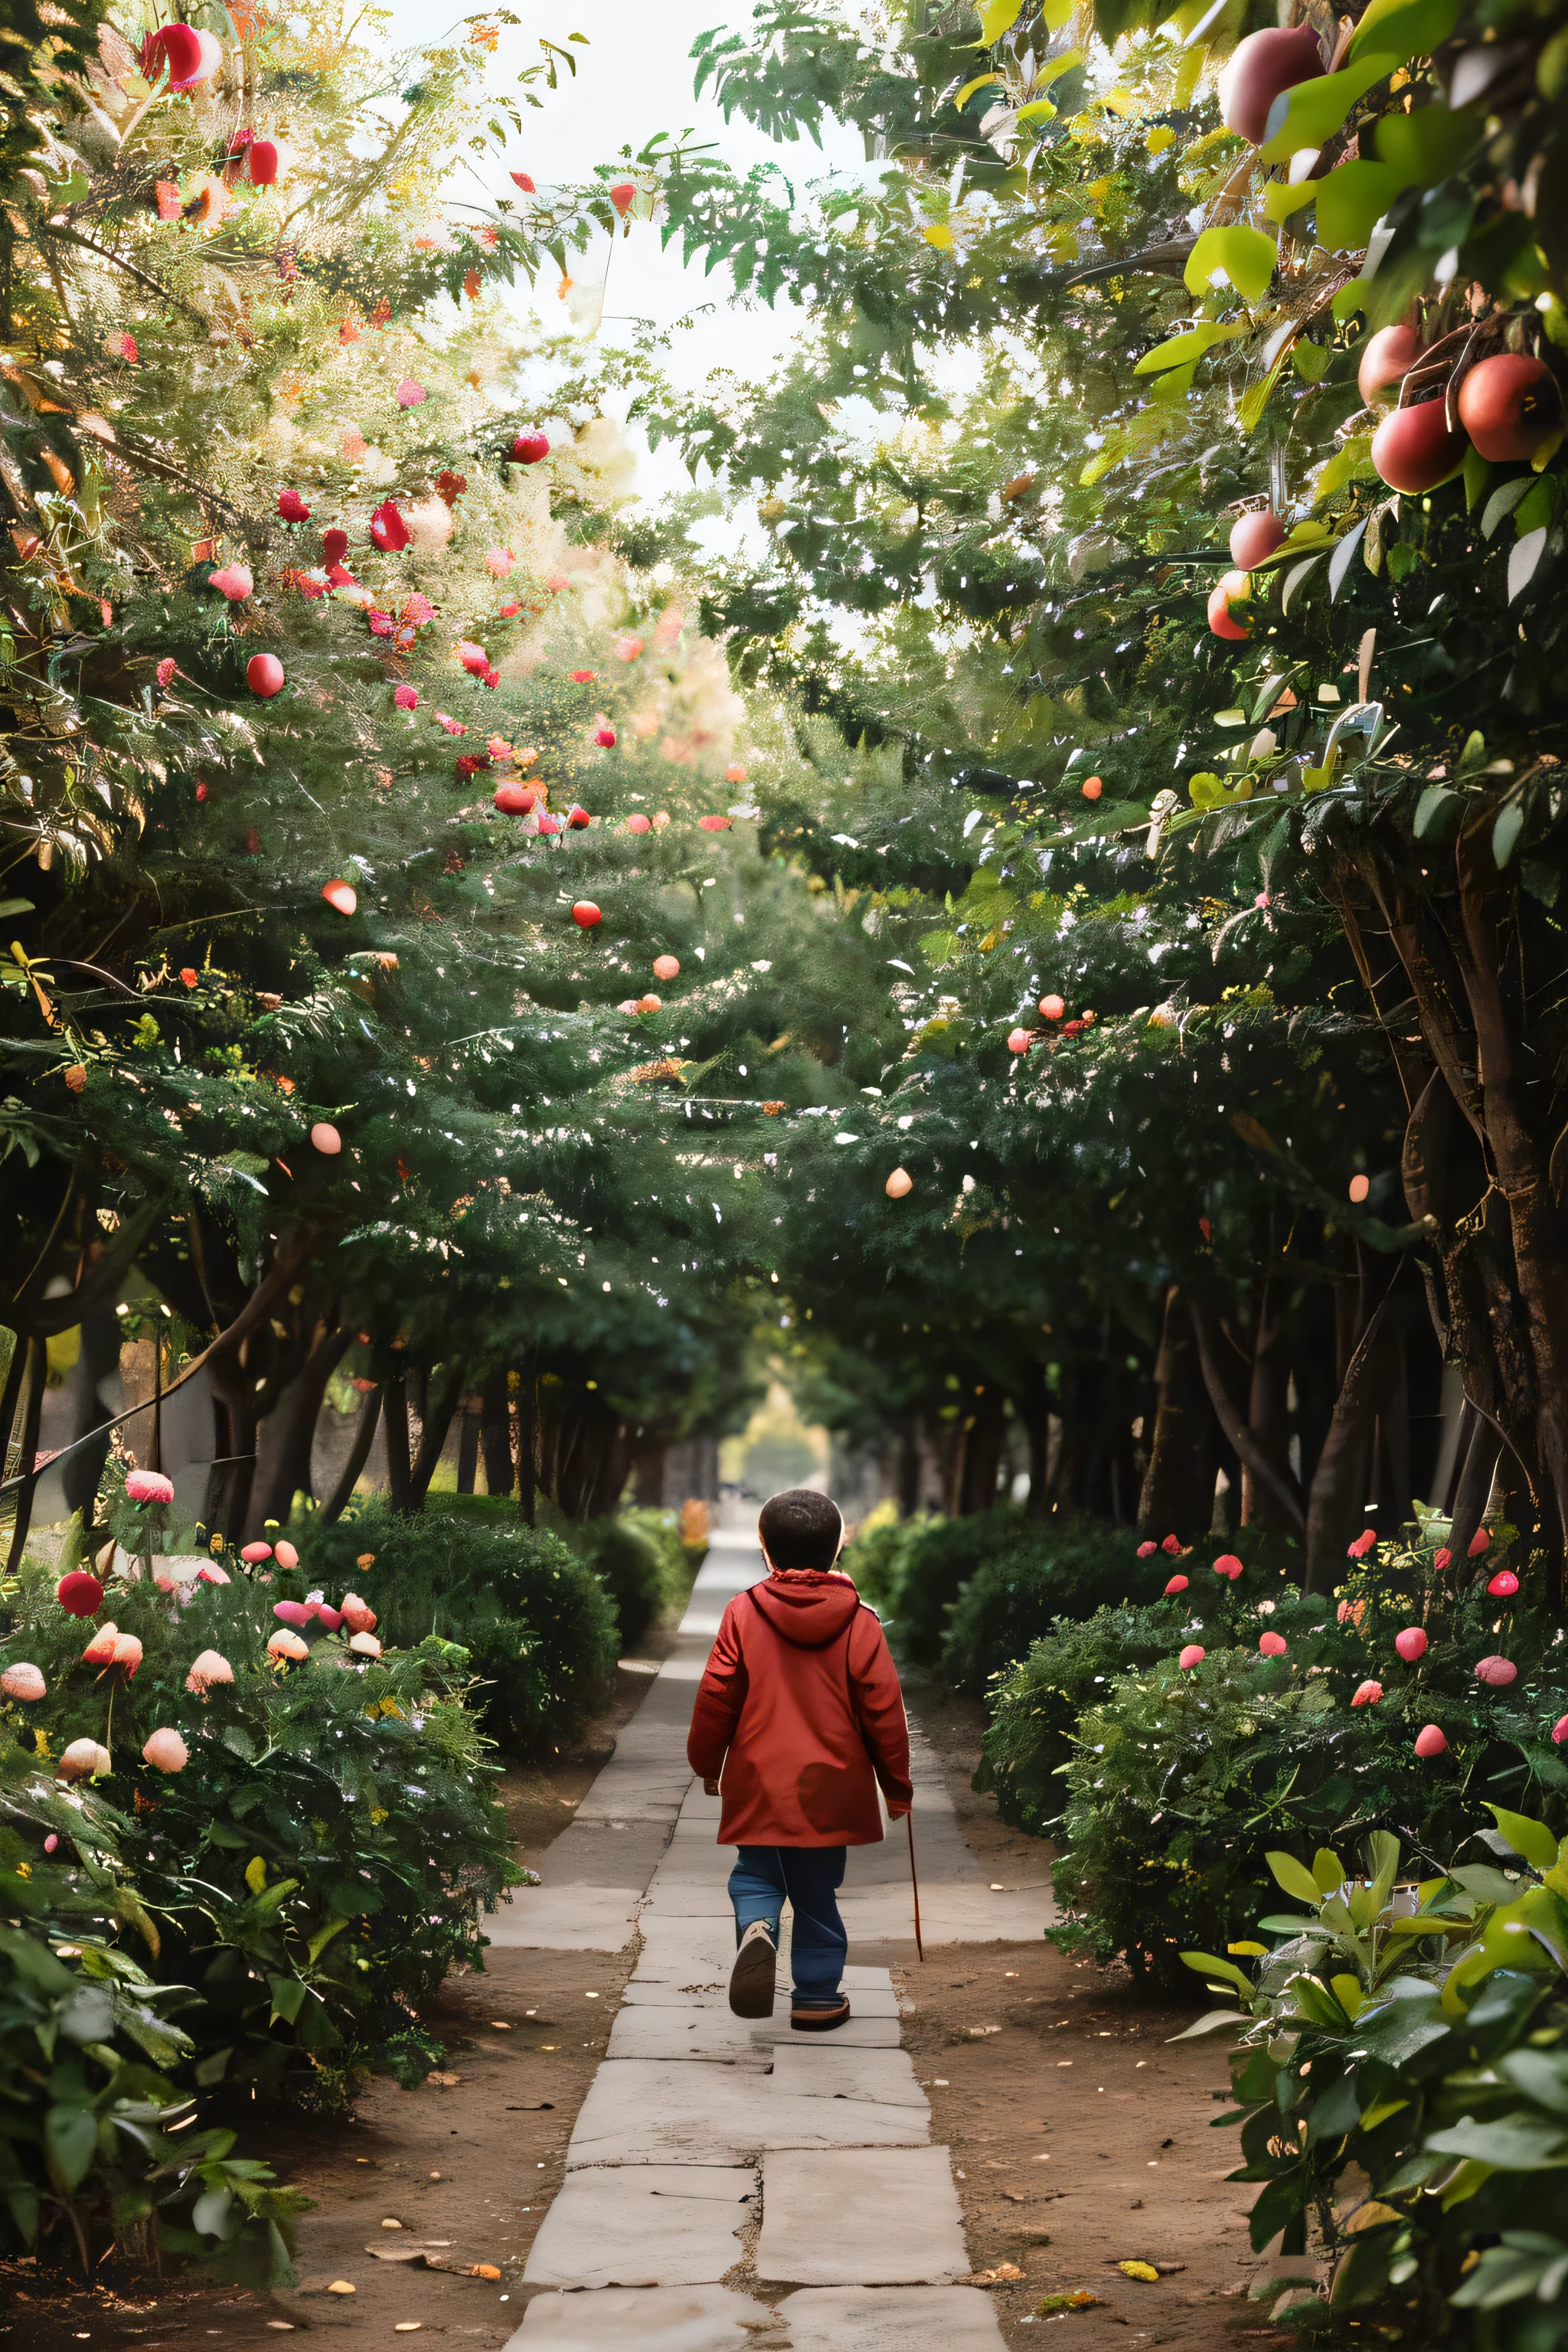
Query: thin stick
x: 914, y: 1883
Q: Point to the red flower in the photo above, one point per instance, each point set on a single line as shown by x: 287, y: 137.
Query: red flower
x: 380, y: 624
x: 406, y: 698
x: 581, y: 678
x: 388, y: 529
x: 292, y: 506
x: 166, y: 672
x: 188, y: 978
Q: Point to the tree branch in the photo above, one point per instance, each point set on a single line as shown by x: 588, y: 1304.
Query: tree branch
x: 1239, y: 1432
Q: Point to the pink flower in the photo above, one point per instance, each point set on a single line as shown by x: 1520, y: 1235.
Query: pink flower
x: 24, y: 1682
x: 287, y: 1645
x: 1363, y: 1543
x: 581, y: 678
x: 292, y: 506
x: 1171, y: 1545
x: 1479, y: 1542
x: 127, y: 1654
x: 1367, y: 1694
x: 1192, y: 1656
x: 206, y: 1672
x: 1176, y: 1585
x: 166, y: 1751
x: 166, y: 672
x: 358, y: 1615
x: 291, y: 1612
x: 1497, y: 1672
x: 406, y: 698
x: 416, y: 608
x: 1560, y: 1731
x: 1146, y: 1549
x: 452, y: 726
x: 149, y: 1486
x: 410, y: 393
x: 1272, y: 1645
x: 52, y: 1841
x: 381, y: 624
x: 84, y: 1759
x: 629, y: 648
x: 1503, y: 1585
x: 1411, y: 1644
x: 1430, y: 1741
x: 498, y: 562
x: 509, y: 611
x: 235, y: 582
x: 255, y: 1552
x: 1229, y: 1565
x: 714, y: 823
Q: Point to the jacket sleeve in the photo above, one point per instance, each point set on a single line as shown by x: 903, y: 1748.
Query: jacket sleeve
x: 721, y: 1695
x: 879, y: 1705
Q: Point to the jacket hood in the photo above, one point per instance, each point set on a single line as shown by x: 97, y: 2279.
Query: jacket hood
x: 809, y: 1607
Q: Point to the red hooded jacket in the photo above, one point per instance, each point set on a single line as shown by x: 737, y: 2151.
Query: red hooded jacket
x: 799, y: 1715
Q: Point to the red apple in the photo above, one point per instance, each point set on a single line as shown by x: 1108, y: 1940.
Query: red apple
x: 530, y: 447
x: 1510, y: 407
x: 1260, y: 68
x: 585, y: 914
x: 264, y: 676
x: 1413, y: 450
x: 1254, y: 538
x: 1387, y: 360
x: 261, y: 165
x: 1221, y: 620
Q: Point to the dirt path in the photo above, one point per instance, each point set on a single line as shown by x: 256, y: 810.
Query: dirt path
x: 1079, y: 2137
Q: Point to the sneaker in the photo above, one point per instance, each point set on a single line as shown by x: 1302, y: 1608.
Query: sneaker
x: 752, y: 1977
x: 819, y: 2017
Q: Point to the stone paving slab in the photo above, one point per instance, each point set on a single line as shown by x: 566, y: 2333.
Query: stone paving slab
x: 662, y: 2111
x: 564, y: 1918
x: 690, y: 2028
x: 645, y: 2225
x: 687, y: 1951
x: 861, y: 2217
x: 891, y: 2319
x: 642, y: 2319
x: 949, y: 1913
x: 832, y: 2071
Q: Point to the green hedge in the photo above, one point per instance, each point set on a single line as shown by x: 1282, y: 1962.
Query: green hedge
x: 538, y: 1623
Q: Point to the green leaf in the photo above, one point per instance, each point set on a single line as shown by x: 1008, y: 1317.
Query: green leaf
x: 996, y: 16
x: 1317, y: 109
x: 1210, y: 2021
x: 1328, y: 1871
x: 322, y: 1937
x: 1510, y: 2144
x: 1532, y: 1839
x: 1394, y: 31
x: 70, y: 2142
x: 1207, y: 1965
x: 1352, y: 200
x: 1506, y: 831
x: 1245, y: 257
x: 1438, y: 814
x: 1522, y: 562
x: 288, y: 1997
x: 1294, y: 1877
x: 1191, y: 344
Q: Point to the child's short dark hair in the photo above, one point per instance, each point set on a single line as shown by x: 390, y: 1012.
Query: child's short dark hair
x: 801, y: 1528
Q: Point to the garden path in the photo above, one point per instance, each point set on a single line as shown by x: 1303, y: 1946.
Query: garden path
x: 724, y: 2184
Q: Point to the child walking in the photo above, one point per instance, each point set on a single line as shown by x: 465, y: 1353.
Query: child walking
x: 798, y: 1718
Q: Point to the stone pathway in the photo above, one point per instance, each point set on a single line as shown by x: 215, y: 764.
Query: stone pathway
x: 729, y: 2184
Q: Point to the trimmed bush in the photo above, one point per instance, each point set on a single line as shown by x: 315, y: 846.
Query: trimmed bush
x: 628, y: 1565
x: 1043, y: 1573
x: 922, y: 1573
x: 535, y: 1619
x: 874, y: 1559
x: 678, y: 1561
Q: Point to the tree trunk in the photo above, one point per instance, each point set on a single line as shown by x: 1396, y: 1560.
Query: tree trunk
x: 1035, y: 1410
x: 495, y: 1436
x: 338, y: 1500
x: 37, y: 1372
x: 983, y: 1442
x: 1177, y: 1497
x: 468, y: 1444
x: 286, y: 1436
x: 1250, y: 1451
x: 525, y: 1441
x: 394, y: 1416
x: 1332, y: 1504
x: 99, y: 1357
x: 909, y: 1466
x: 441, y: 1396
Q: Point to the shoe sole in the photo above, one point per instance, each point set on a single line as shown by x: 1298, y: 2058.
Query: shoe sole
x: 818, y: 2021
x: 751, y: 1979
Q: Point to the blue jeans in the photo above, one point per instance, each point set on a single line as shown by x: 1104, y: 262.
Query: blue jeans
x: 810, y: 1875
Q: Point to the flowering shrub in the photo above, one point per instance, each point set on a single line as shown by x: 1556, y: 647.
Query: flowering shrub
x: 1402, y: 2082
x: 322, y: 1857
x: 1179, y: 1779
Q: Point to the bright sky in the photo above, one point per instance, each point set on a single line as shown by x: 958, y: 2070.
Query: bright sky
x: 634, y: 79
